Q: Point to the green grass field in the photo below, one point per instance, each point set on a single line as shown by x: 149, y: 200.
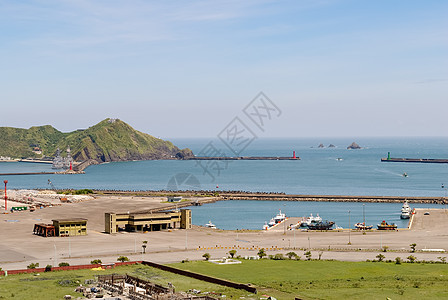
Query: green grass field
x: 286, y: 279
x: 283, y: 279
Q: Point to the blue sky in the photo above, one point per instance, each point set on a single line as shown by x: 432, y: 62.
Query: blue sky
x: 187, y: 68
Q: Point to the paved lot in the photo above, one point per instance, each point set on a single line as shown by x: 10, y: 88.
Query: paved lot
x: 19, y: 247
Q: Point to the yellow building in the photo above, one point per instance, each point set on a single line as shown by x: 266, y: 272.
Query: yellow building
x: 70, y: 227
x: 147, y: 221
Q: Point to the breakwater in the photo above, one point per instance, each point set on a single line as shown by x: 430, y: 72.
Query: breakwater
x: 416, y: 160
x: 241, y: 195
x: 242, y: 158
x: 334, y: 198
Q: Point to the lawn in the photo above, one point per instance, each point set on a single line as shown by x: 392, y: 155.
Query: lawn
x: 286, y: 279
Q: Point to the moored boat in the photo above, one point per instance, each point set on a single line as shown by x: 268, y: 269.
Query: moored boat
x: 363, y: 226
x: 321, y: 225
x: 311, y: 220
x: 405, y: 211
x: 385, y: 226
x: 210, y: 225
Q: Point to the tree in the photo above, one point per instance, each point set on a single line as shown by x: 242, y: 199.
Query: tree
x: 442, y: 259
x: 411, y: 258
x: 413, y: 247
x: 307, y: 255
x: 206, y: 256
x: 380, y: 257
x: 261, y: 253
x: 48, y: 268
x: 64, y: 264
x: 385, y: 248
x: 398, y: 260
x: 96, y: 261
x: 232, y: 253
x: 291, y: 255
x: 122, y: 258
x: 144, y: 246
x: 320, y: 254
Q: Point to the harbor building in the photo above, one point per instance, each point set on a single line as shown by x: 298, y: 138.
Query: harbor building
x: 134, y: 222
x: 70, y: 227
x: 62, y: 227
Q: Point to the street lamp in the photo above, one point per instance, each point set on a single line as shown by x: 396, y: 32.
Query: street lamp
x: 364, y: 214
x: 349, y: 228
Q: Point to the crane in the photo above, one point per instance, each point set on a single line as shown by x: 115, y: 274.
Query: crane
x: 51, y: 184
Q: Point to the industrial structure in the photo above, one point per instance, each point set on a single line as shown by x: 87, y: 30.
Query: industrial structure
x: 144, y: 221
x: 62, y: 227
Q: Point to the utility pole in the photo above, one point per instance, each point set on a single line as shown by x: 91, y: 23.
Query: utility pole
x: 6, y: 196
x: 349, y: 228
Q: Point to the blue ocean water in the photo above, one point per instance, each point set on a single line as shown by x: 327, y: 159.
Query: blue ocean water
x: 359, y: 172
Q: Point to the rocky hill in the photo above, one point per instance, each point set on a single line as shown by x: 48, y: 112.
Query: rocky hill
x: 109, y: 140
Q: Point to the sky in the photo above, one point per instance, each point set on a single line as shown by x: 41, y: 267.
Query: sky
x: 332, y: 68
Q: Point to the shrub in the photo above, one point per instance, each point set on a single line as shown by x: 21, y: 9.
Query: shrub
x: 278, y: 256
x: 411, y: 258
x: 413, y: 247
x: 64, y: 264
x: 33, y: 266
x: 398, y: 260
x: 380, y: 257
x: 96, y: 261
x: 291, y: 255
x: 206, y: 256
x: 307, y: 255
x: 122, y: 259
x: 48, y: 268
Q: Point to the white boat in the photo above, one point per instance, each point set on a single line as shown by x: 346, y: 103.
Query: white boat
x: 406, y: 211
x: 210, y: 225
x: 311, y: 220
x: 271, y: 222
x: 280, y: 217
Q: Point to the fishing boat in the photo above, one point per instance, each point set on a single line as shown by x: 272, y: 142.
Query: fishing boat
x: 405, y: 174
x: 405, y: 211
x: 321, y: 225
x: 280, y: 217
x: 210, y: 225
x: 363, y: 226
x: 385, y: 226
x: 311, y: 220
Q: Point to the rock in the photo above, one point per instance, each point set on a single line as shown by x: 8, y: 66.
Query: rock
x: 321, y: 146
x: 331, y: 146
x: 354, y: 146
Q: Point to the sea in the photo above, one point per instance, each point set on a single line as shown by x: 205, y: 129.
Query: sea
x: 320, y: 171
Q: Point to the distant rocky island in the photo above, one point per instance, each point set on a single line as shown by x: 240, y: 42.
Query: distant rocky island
x: 110, y: 140
x: 354, y: 146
